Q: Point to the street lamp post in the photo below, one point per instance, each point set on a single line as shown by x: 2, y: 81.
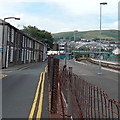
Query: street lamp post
x: 100, y: 72
x: 4, y: 44
x: 74, y: 36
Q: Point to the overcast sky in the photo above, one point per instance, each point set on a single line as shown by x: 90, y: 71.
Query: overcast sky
x: 61, y: 15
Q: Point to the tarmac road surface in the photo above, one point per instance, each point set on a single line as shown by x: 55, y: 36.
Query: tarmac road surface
x: 19, y: 89
x: 108, y: 81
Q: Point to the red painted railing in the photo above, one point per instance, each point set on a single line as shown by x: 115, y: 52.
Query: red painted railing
x: 77, y: 98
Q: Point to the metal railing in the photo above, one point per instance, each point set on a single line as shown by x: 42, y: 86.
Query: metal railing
x: 77, y: 98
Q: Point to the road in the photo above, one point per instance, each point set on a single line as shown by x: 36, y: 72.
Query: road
x: 19, y: 89
x: 108, y: 81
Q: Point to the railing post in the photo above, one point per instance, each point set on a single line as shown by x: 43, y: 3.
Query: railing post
x: 54, y: 94
x: 50, y: 71
x: 69, y: 91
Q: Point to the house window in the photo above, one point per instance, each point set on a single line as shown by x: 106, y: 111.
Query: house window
x: 11, y: 55
x: 12, y: 34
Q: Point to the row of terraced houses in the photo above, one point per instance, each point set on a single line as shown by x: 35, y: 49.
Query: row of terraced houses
x: 17, y: 47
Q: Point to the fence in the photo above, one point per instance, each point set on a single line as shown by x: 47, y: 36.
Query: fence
x: 77, y: 98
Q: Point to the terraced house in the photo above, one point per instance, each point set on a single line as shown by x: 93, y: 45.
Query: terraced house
x: 17, y: 47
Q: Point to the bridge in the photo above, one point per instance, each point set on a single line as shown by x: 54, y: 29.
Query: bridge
x: 90, y: 52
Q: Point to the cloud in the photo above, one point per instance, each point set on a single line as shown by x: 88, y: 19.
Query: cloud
x: 78, y: 6
x: 77, y: 14
x: 113, y: 25
x: 42, y: 23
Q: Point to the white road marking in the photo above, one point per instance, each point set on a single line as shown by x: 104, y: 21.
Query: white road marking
x: 24, y: 68
x: 81, y: 62
x: 84, y: 74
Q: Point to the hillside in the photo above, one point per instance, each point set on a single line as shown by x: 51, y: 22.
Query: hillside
x: 89, y: 35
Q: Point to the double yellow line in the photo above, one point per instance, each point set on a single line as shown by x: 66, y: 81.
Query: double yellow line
x: 40, y: 83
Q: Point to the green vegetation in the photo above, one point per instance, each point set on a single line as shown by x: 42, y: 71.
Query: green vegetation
x: 40, y: 35
x: 89, y: 35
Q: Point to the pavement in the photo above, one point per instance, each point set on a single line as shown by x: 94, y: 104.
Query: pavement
x: 109, y: 62
x: 108, y: 80
x: 17, y: 67
x: 19, y: 88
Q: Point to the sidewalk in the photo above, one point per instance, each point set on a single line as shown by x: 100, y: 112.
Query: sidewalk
x: 109, y: 62
x: 17, y: 67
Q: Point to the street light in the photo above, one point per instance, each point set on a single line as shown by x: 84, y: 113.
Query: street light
x: 3, y: 36
x: 12, y: 18
x: 75, y: 35
x: 103, y: 3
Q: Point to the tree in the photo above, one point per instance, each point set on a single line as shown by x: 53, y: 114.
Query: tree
x: 40, y: 35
